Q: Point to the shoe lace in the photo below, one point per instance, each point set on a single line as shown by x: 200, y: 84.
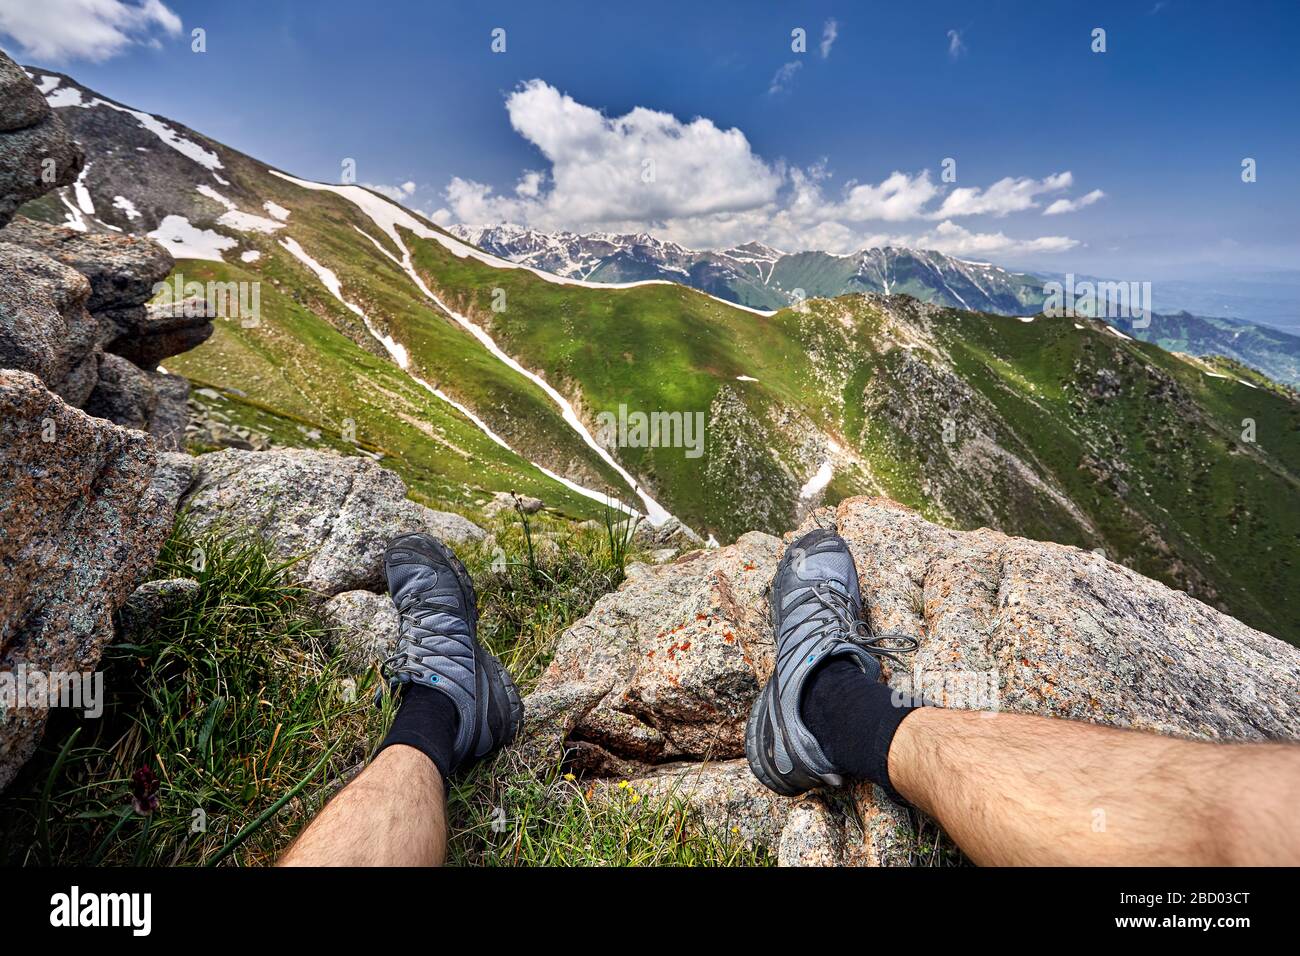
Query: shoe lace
x: 405, y: 658
x: 848, y: 624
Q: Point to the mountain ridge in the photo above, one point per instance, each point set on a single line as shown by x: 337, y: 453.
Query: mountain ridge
x: 473, y: 375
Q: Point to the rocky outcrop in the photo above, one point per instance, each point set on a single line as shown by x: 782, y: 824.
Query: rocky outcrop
x: 655, y: 684
x: 66, y: 295
x: 44, y: 326
x: 123, y: 272
x: 80, y: 524
x: 337, y: 511
x: 153, y: 402
x: 36, y: 152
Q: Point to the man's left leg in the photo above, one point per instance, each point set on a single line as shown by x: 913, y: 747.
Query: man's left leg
x: 393, y: 814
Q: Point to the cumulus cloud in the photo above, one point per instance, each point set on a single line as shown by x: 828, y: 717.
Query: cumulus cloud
x: 1073, y: 205
x: 783, y: 77
x: 1004, y: 196
x: 830, y: 30
x: 58, y: 30
x: 398, y: 193
x: 705, y: 187
x: 955, y: 45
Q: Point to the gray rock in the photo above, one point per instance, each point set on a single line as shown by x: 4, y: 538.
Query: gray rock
x: 338, y: 511
x: 151, y: 604
x: 36, y: 152
x: 367, y: 626
x: 44, y: 326
x: 152, y: 402
x: 122, y: 269
x: 174, y: 475
x: 148, y: 334
x: 80, y: 525
x: 661, y: 673
x: 505, y: 501
x: 21, y: 103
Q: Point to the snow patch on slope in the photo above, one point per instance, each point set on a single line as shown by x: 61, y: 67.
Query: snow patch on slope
x: 71, y: 96
x: 186, y: 241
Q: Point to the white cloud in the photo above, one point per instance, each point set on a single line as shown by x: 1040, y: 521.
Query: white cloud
x: 830, y: 30
x: 955, y: 45
x: 57, y: 30
x: 705, y: 187
x: 955, y: 240
x: 1004, y: 196
x: 395, y: 193
x: 783, y: 77
x: 1073, y: 205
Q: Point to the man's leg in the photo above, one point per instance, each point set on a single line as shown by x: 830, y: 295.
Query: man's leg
x: 393, y: 814
x: 458, y: 705
x: 1015, y: 789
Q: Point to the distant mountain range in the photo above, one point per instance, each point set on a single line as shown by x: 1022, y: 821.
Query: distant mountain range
x: 760, y: 277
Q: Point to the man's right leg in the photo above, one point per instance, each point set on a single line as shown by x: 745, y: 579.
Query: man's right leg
x: 393, y: 814
x: 1016, y: 789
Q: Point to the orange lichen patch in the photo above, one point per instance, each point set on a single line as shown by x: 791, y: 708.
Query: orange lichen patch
x: 749, y: 566
x: 701, y: 617
x: 729, y: 637
x: 650, y: 656
x: 684, y: 646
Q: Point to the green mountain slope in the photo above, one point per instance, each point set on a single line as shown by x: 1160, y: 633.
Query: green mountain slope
x: 472, y: 375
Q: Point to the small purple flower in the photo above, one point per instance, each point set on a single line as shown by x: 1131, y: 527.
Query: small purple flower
x: 144, y: 791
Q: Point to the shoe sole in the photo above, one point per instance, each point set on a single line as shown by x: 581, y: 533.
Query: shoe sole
x: 470, y: 596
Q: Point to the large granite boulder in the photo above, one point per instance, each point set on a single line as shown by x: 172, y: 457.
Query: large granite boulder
x: 36, y: 152
x: 655, y: 684
x: 44, y: 326
x: 152, y: 402
x: 123, y: 272
x: 338, y: 511
x: 81, y: 523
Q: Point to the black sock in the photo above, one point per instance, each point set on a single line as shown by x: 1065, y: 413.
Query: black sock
x: 854, y: 718
x: 426, y: 719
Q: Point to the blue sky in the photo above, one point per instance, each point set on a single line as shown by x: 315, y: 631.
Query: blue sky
x: 1158, y: 124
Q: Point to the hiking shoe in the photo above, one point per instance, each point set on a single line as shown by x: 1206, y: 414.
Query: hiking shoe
x: 816, y: 615
x: 438, y: 645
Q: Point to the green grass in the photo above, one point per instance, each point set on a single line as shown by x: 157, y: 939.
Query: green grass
x: 249, y: 717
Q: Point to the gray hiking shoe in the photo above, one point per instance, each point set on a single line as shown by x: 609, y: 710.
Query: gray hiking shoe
x: 438, y: 645
x: 816, y: 615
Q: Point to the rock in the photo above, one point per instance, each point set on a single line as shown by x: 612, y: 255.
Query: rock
x: 338, y: 511
x: 80, y: 525
x: 36, y: 152
x: 725, y: 795
x: 122, y: 269
x: 367, y: 624
x: 661, y: 673
x: 152, y: 603
x: 152, y: 402
x: 671, y: 534
x: 667, y: 666
x: 44, y: 326
x: 505, y: 501
x: 149, y: 334
x: 174, y: 475
x: 21, y: 103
